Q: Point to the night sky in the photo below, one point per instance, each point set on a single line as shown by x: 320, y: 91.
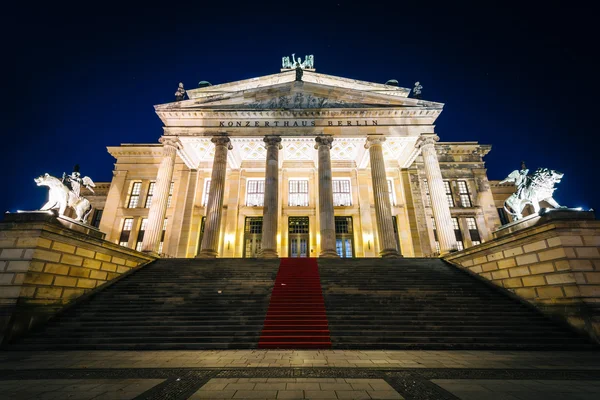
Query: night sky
x: 524, y: 80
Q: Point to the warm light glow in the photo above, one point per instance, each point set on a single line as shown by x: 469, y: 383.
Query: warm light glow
x: 367, y: 240
x: 318, y: 239
x: 229, y: 240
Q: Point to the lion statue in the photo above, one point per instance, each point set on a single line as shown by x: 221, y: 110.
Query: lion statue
x: 60, y: 196
x: 531, y: 189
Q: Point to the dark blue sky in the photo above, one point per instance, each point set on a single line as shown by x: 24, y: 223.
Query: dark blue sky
x: 521, y: 78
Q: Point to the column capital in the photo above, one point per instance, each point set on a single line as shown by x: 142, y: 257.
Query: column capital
x: 171, y: 141
x: 273, y: 140
x: 373, y: 140
x: 323, y: 140
x: 222, y: 140
x: 425, y: 140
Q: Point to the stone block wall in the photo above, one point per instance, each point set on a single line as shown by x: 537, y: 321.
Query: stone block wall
x: 552, y: 263
x: 46, y: 263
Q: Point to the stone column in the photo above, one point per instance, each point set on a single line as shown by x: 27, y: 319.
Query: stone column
x: 383, y: 208
x: 326, y: 218
x: 439, y: 204
x: 214, y: 208
x: 271, y: 203
x: 158, y: 209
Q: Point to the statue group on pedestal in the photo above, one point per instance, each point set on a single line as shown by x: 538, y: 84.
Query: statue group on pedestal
x: 67, y: 193
x: 531, y: 189
x: 308, y: 63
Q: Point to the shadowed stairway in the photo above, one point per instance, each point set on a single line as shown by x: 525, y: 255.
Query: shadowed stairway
x: 169, y: 304
x: 296, y: 318
x: 425, y: 303
x: 346, y: 304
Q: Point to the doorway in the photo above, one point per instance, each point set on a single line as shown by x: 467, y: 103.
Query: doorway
x: 344, y: 237
x: 252, y: 236
x: 298, y: 236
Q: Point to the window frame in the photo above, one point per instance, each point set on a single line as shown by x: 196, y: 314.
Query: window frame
x: 255, y: 195
x: 126, y: 233
x: 340, y: 193
x: 134, y: 193
x: 464, y: 195
x: 298, y: 195
x: 150, y: 194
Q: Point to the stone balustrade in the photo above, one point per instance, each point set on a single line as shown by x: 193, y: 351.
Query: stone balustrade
x: 553, y: 262
x: 46, y: 263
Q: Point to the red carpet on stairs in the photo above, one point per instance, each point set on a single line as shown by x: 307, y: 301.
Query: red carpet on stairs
x: 296, y: 318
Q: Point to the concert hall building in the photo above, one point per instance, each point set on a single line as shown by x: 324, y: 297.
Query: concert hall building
x: 298, y: 164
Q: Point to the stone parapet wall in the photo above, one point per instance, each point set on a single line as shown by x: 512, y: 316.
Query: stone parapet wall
x: 552, y: 263
x: 46, y: 263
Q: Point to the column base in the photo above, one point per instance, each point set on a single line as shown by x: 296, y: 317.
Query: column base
x: 207, y: 254
x: 151, y: 253
x: 390, y: 253
x: 329, y: 254
x: 268, y: 253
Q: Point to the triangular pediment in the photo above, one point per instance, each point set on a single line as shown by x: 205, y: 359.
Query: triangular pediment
x: 295, y: 95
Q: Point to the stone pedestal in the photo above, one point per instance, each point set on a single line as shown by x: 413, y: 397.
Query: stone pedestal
x: 47, y: 262
x: 158, y: 209
x: 383, y: 208
x: 439, y: 203
x: 326, y: 216
x: 551, y: 261
x: 214, y: 209
x: 271, y: 201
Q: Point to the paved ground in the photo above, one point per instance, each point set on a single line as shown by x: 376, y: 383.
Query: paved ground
x: 330, y: 374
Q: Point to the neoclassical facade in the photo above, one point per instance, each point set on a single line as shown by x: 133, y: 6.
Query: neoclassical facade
x: 298, y: 165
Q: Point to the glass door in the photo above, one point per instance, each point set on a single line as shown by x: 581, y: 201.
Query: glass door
x: 344, y: 238
x: 252, y: 236
x: 298, y: 237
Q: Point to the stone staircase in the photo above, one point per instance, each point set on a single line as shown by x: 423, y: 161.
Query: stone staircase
x: 369, y: 304
x: 169, y: 304
x: 426, y: 303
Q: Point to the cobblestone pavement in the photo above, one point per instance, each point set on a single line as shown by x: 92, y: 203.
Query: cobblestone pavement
x: 331, y: 374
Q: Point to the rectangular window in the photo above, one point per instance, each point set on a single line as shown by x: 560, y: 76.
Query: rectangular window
x: 134, y: 196
x: 140, y: 237
x: 97, y: 218
x: 463, y: 191
x: 298, y: 194
x: 341, y: 192
x: 162, y: 237
x: 126, y: 231
x: 150, y: 194
x: 427, y: 194
x: 255, y: 192
x: 458, y: 234
x: 449, y: 194
x: 206, y: 192
x: 343, y: 225
x: 170, y: 194
x: 435, y: 236
x: 390, y: 182
x: 473, y: 231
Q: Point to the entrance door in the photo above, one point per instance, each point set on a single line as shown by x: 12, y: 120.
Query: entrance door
x: 298, y: 237
x: 344, y: 238
x: 252, y: 236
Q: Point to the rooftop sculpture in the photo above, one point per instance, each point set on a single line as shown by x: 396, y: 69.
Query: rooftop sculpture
x: 180, y: 93
x: 308, y: 63
x: 417, y: 90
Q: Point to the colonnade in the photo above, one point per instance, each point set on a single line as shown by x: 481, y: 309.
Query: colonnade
x: 210, y: 239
